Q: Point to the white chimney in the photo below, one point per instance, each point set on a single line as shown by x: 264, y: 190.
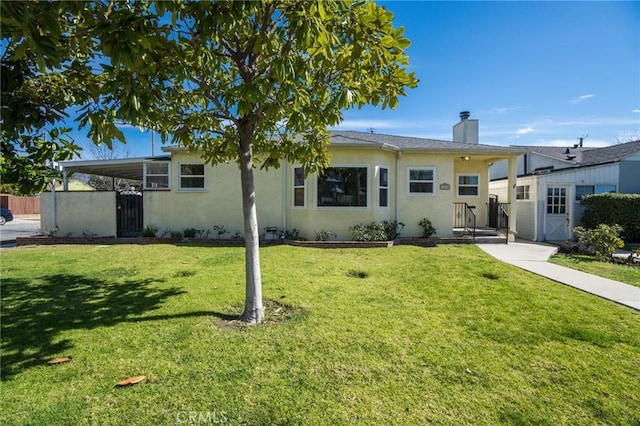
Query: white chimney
x: 466, y: 131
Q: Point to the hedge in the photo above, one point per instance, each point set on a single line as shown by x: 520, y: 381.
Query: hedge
x: 611, y: 209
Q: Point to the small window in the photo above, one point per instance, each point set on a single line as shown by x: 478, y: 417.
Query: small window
x: 383, y: 187
x: 468, y: 185
x: 343, y: 187
x: 191, y: 176
x: 299, y: 187
x: 156, y: 175
x: 421, y: 181
x: 522, y: 192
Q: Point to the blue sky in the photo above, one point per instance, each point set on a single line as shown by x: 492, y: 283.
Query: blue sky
x: 532, y: 73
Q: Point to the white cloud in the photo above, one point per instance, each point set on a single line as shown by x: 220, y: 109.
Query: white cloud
x: 636, y: 110
x: 582, y: 98
x: 524, y: 131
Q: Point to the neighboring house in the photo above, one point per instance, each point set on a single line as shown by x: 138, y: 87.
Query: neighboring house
x: 552, y: 180
x: 372, y: 177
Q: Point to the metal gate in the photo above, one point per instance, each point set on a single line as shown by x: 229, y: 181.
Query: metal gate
x: 129, y: 213
x: 493, y: 211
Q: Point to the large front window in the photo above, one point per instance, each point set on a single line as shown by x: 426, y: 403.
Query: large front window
x: 156, y: 175
x: 343, y: 187
x: 191, y: 176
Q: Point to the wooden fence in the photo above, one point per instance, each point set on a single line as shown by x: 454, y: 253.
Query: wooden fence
x: 20, y: 205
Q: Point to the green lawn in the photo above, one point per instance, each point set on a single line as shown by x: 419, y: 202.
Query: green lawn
x: 398, y: 336
x: 623, y: 273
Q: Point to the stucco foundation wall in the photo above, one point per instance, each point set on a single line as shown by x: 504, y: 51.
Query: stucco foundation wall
x: 220, y: 203
x: 80, y: 212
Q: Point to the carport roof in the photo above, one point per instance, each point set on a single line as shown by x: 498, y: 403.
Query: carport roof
x: 126, y: 168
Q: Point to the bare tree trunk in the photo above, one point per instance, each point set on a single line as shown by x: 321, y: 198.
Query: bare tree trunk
x: 253, y: 308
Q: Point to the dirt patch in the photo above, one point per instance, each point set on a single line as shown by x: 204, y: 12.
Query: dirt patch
x: 274, y: 313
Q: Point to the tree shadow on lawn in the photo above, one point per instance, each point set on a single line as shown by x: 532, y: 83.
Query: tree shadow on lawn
x: 35, y: 312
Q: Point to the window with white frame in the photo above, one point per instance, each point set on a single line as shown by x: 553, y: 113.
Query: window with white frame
x: 422, y: 180
x: 191, y: 176
x: 156, y: 175
x: 522, y: 192
x: 468, y: 185
x: 383, y: 187
x: 343, y: 187
x: 299, y: 187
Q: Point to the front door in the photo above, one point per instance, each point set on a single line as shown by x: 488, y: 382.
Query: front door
x: 557, y: 217
x: 129, y: 213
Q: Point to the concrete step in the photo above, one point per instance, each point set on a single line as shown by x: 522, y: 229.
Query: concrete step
x: 483, y: 236
x: 493, y: 239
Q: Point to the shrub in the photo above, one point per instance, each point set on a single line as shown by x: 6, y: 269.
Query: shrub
x: 393, y: 229
x: 376, y: 231
x: 603, y: 240
x: 204, y: 233
x: 294, y: 234
x: 427, y: 229
x: 611, y: 209
x: 149, y: 231
x: 175, y: 234
x: 190, y: 232
x: 324, y: 235
x: 220, y: 231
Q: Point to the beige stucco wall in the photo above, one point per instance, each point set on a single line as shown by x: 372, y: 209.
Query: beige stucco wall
x: 220, y: 203
x: 438, y: 208
x: 80, y: 212
x: 480, y: 201
x: 412, y: 208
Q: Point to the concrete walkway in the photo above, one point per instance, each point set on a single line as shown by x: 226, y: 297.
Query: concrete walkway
x: 533, y: 257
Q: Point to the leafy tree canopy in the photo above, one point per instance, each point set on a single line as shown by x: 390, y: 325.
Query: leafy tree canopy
x: 254, y: 82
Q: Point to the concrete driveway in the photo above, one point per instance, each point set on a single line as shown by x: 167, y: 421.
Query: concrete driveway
x: 18, y: 227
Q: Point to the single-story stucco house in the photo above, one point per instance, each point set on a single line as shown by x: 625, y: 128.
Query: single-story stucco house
x: 552, y: 180
x: 373, y: 177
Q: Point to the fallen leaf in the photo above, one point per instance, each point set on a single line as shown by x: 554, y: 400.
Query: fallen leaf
x: 131, y: 381
x: 59, y: 360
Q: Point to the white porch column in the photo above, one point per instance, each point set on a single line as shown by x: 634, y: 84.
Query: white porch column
x: 511, y: 195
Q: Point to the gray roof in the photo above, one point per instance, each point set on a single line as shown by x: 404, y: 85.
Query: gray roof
x: 586, y: 156
x: 401, y: 143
